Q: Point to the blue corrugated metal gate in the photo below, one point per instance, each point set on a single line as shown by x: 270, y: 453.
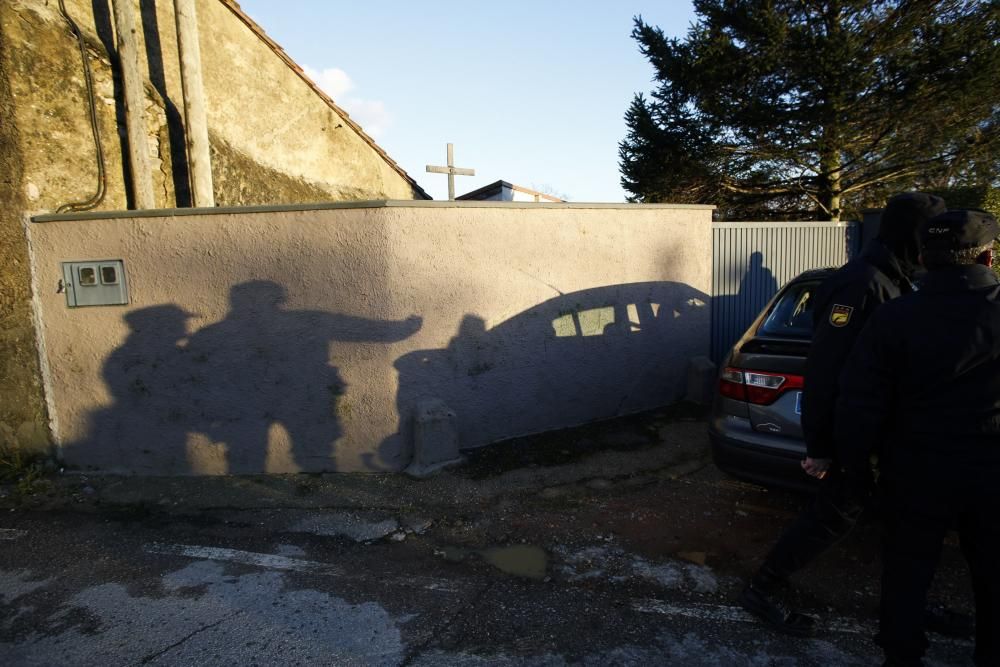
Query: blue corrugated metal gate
x: 751, y: 260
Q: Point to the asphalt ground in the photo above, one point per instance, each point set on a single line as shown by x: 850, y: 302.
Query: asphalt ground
x: 616, y: 544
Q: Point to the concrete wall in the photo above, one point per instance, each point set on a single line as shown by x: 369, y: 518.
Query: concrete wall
x: 286, y: 340
x: 274, y: 139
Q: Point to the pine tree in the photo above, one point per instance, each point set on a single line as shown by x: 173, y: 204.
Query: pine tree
x: 776, y: 109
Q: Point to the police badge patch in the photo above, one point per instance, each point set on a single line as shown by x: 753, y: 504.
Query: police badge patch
x: 840, y: 315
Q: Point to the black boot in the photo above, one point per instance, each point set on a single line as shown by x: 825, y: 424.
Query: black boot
x: 759, y: 599
x: 948, y: 622
x: 897, y: 661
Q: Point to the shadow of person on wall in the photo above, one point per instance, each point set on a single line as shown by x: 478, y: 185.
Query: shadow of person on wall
x: 576, y: 358
x: 733, y: 313
x: 757, y: 285
x: 265, y: 366
x: 144, y: 430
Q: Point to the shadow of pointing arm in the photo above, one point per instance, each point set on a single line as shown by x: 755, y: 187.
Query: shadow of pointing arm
x: 349, y: 328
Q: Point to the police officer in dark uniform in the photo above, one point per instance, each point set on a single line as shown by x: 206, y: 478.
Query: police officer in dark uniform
x: 922, y: 389
x: 844, y: 303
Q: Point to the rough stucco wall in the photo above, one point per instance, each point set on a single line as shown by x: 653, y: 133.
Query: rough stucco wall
x: 239, y: 180
x: 262, y: 110
x: 302, y: 340
x: 290, y: 129
x: 23, y: 419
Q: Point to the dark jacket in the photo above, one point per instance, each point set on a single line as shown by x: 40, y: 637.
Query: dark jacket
x: 922, y: 386
x: 844, y: 303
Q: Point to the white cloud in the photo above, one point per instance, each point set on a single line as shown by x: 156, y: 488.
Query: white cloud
x: 371, y: 115
x: 333, y: 81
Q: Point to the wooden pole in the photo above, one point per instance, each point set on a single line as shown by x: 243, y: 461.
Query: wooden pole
x: 451, y: 174
x: 135, y: 124
x: 452, y: 171
x: 195, y: 120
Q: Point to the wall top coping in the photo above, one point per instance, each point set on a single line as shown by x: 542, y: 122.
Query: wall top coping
x: 384, y: 203
x: 791, y: 224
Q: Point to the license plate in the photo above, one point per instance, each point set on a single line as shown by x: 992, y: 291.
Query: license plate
x: 798, y: 403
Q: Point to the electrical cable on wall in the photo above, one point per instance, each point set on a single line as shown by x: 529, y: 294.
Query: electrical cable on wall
x: 98, y: 196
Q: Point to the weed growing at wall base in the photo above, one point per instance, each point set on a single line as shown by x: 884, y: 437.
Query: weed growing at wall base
x: 20, y: 468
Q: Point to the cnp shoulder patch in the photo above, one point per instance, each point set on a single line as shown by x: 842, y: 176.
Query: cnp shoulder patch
x: 840, y: 315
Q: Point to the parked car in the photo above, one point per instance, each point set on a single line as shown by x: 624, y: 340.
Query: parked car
x: 755, y: 424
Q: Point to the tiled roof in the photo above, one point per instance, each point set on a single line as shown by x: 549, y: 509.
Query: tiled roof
x: 234, y: 7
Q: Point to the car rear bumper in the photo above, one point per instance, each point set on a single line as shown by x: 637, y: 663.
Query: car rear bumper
x: 765, y: 459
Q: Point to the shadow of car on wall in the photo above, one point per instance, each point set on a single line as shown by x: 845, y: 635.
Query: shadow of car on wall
x: 576, y: 358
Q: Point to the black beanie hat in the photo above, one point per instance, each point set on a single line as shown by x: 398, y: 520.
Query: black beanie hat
x: 902, y: 219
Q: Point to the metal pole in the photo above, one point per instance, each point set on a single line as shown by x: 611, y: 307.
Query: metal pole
x: 138, y: 146
x: 196, y: 123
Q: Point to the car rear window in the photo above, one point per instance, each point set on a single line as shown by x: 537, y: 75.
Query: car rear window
x: 792, y: 314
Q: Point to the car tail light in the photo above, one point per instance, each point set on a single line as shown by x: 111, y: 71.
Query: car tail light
x: 731, y: 384
x: 756, y: 387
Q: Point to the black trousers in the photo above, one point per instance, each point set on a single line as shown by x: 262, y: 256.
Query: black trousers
x: 824, y: 522
x: 916, y: 522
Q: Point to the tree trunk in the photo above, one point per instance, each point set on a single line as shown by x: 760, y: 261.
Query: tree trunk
x: 829, y: 190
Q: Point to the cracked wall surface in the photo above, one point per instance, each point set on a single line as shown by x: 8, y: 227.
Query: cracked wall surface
x: 274, y: 140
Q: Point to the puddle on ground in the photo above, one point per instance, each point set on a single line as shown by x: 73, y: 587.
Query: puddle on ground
x: 522, y: 560
x: 452, y: 554
x: 696, y: 557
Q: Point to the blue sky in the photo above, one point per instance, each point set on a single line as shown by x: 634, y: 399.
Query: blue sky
x: 529, y: 92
